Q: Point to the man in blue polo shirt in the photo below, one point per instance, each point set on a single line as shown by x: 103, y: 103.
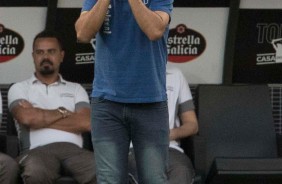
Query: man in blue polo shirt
x: 129, y: 92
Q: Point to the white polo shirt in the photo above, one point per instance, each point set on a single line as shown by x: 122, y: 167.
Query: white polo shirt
x: 179, y: 98
x: 59, y: 94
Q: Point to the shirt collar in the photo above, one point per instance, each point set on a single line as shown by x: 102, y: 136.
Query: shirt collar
x: 34, y: 80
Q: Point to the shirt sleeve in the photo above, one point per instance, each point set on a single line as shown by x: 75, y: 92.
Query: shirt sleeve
x: 161, y: 5
x: 81, y: 98
x: 88, y: 4
x: 185, y: 100
x: 184, y: 92
x: 16, y: 93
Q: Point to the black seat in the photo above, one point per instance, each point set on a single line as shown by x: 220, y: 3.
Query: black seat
x: 237, y: 140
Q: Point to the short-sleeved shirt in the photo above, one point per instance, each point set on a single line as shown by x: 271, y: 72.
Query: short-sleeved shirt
x: 179, y: 98
x: 62, y: 93
x: 129, y: 68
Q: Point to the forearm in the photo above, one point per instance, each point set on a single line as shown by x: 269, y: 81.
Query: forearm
x: 36, y: 118
x: 151, y: 23
x: 188, y: 128
x: 181, y: 132
x: 88, y: 24
x: 75, y: 123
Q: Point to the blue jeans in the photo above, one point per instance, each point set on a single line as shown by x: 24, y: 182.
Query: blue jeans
x: 180, y: 168
x: 114, y: 125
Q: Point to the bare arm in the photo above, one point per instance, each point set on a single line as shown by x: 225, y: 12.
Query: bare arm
x: 37, y: 118
x: 152, y: 23
x: 89, y: 23
x: 76, y: 122
x: 34, y: 117
x: 189, y: 126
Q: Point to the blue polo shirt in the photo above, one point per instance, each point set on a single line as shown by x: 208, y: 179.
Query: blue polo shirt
x: 129, y: 68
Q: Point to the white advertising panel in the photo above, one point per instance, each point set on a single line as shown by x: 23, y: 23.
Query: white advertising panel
x: 200, y: 52
x: 21, y: 24
x: 197, y: 41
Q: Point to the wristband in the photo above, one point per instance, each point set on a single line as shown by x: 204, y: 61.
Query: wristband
x: 63, y: 112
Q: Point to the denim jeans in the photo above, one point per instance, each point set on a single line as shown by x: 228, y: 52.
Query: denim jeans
x: 180, y: 168
x: 114, y: 125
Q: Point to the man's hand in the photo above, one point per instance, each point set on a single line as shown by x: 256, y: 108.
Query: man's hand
x: 152, y: 23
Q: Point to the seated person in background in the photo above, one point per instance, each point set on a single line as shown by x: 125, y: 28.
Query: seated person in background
x: 51, y: 113
x: 8, y: 166
x: 182, y: 122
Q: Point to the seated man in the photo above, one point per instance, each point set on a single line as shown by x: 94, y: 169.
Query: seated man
x: 182, y: 123
x: 51, y: 113
x: 8, y: 166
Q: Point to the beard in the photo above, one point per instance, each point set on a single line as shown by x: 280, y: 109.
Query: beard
x: 46, y: 67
